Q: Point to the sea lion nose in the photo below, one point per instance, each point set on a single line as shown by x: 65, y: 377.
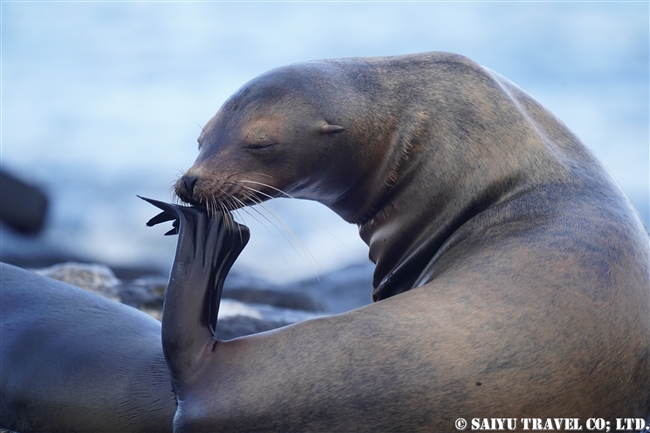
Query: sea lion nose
x: 188, y: 182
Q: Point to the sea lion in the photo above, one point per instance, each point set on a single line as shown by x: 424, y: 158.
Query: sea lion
x: 73, y: 361
x: 512, y: 273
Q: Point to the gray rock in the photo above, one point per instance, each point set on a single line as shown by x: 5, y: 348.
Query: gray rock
x: 306, y: 301
x: 237, y: 319
x: 22, y: 206
x: 145, y: 293
x: 259, y: 306
x: 95, y: 278
x: 240, y: 280
x: 341, y: 290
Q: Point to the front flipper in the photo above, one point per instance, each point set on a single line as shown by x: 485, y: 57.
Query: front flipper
x: 206, y: 250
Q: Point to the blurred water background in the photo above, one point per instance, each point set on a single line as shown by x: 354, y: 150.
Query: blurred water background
x: 104, y: 100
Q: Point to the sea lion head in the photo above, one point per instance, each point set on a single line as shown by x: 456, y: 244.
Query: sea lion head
x: 410, y: 148
x: 272, y: 138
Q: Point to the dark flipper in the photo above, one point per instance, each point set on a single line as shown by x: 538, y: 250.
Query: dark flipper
x: 206, y: 250
x: 163, y: 217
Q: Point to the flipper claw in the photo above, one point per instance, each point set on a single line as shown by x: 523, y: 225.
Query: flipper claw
x: 173, y: 231
x: 170, y: 212
x: 160, y: 218
x: 165, y: 207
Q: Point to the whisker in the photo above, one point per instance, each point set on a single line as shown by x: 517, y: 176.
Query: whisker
x: 268, y: 186
x: 245, y: 195
x: 225, y: 211
x: 238, y: 213
x: 234, y: 208
x: 262, y: 174
x: 232, y: 201
x: 228, y: 220
x: 293, y: 235
x: 272, y: 223
x: 267, y: 229
x: 301, y: 213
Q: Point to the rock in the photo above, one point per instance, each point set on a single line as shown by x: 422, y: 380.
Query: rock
x: 306, y: 301
x: 95, y: 278
x: 253, y: 290
x: 249, y: 305
x: 341, y: 290
x: 240, y: 280
x: 22, y: 206
x: 133, y: 272
x: 261, y: 306
x: 145, y: 293
x: 237, y: 319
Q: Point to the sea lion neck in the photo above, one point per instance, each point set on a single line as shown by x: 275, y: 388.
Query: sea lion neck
x: 446, y: 158
x: 415, y: 221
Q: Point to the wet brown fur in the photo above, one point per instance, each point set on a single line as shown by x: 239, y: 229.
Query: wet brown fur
x: 505, y: 254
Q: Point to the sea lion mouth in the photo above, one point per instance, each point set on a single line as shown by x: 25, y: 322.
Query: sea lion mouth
x: 224, y: 194
x: 189, y: 200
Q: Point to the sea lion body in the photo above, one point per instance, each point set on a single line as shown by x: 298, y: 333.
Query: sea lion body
x: 72, y: 361
x: 512, y: 273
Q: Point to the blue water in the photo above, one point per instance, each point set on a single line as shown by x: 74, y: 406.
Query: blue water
x: 103, y: 101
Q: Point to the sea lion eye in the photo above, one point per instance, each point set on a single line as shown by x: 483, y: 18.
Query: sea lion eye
x: 259, y: 146
x: 263, y: 141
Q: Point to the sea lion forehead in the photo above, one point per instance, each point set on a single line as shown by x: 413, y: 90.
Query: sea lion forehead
x: 258, y: 104
x: 265, y: 127
x: 262, y: 90
x: 205, y: 129
x: 299, y: 80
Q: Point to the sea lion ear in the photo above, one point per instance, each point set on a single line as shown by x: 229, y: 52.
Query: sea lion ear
x: 331, y: 129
